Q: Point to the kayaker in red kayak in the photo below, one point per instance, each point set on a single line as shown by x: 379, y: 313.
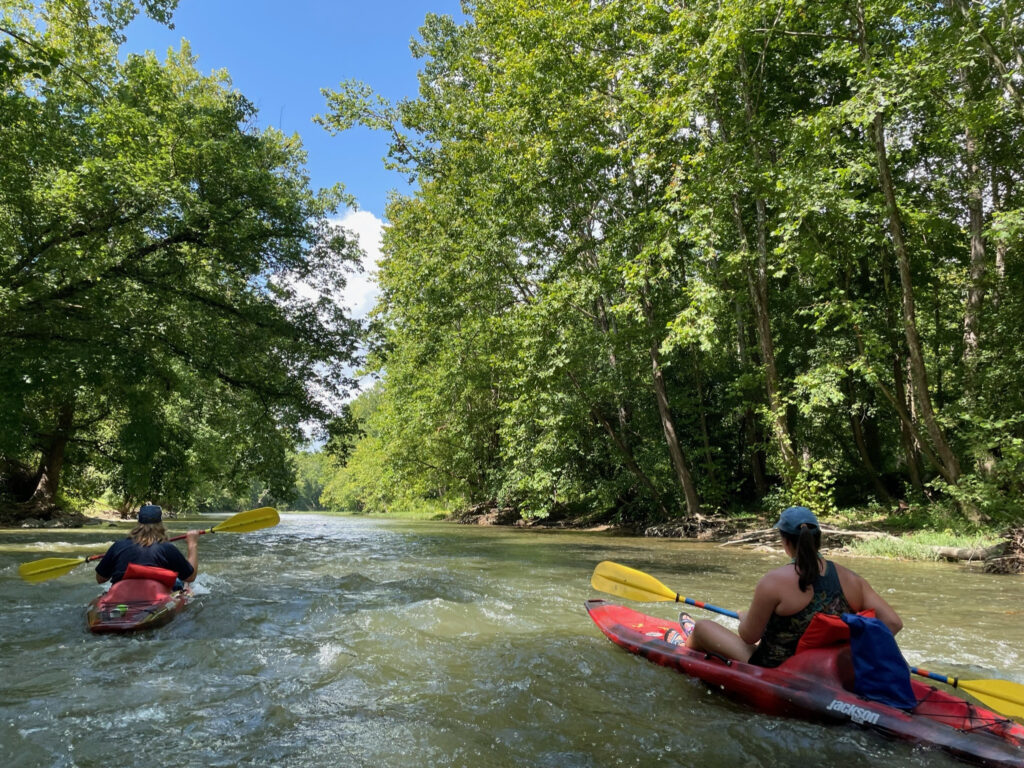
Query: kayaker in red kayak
x: 147, y: 544
x: 786, y: 599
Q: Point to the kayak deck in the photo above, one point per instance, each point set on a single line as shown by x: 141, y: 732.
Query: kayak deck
x: 132, y: 605
x: 817, y: 685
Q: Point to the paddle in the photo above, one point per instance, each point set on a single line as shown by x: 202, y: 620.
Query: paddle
x: 52, y: 567
x: 636, y: 585
x: 1002, y: 695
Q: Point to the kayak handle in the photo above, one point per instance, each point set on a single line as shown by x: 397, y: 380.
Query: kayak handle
x: 712, y: 655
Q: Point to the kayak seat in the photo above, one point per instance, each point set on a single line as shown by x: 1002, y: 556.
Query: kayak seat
x: 833, y: 664
x: 130, y: 591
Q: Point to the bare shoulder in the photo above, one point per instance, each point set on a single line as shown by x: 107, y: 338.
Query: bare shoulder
x: 778, y: 577
x: 847, y: 575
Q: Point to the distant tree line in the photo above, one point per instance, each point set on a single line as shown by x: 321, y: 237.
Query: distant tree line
x: 672, y: 258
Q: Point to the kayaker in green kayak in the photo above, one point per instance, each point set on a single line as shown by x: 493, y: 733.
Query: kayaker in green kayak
x: 147, y: 545
x: 787, y: 598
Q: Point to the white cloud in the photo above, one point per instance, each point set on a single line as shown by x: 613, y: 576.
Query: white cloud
x: 361, y: 291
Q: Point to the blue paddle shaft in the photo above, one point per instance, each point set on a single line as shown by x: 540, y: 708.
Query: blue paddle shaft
x: 707, y: 606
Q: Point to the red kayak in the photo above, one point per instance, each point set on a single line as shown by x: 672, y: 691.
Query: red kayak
x: 817, y: 685
x: 131, y: 605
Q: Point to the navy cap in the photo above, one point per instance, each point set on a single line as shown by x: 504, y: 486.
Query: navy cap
x: 150, y: 513
x: 793, y: 517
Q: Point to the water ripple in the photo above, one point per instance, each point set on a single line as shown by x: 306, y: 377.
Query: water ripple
x: 339, y: 641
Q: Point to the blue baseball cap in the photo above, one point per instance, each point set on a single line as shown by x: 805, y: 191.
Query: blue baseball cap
x: 793, y: 517
x: 150, y: 513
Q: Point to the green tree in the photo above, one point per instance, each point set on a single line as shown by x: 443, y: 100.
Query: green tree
x: 659, y: 257
x: 168, y: 278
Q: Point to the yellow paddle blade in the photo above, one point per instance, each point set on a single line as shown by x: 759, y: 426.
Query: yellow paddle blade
x: 1002, y: 695
x: 629, y: 583
x: 253, y: 520
x: 48, y: 568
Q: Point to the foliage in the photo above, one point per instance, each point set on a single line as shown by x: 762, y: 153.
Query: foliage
x: 311, y: 474
x: 708, y: 255
x: 367, y: 479
x: 167, y: 277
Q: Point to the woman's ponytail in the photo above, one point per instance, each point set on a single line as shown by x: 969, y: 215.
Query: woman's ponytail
x: 807, y: 544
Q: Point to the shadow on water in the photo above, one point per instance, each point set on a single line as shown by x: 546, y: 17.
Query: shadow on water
x: 339, y: 641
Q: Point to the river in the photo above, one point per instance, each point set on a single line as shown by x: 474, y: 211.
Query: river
x: 337, y: 641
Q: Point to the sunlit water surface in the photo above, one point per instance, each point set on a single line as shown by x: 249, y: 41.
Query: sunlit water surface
x: 332, y: 641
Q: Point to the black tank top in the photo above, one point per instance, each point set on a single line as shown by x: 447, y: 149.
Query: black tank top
x: 782, y: 634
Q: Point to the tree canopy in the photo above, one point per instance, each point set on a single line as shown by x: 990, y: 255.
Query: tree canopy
x: 169, y: 283
x: 668, y: 258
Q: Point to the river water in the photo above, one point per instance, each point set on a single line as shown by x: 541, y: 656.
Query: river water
x: 334, y: 641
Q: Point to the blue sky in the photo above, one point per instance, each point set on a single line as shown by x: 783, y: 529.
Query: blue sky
x: 280, y: 54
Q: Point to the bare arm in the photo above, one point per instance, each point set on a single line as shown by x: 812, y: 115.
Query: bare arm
x: 105, y: 565
x: 192, y: 541
x: 762, y: 606
x: 863, y: 597
x: 883, y: 611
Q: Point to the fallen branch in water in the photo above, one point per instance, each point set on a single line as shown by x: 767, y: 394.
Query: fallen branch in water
x: 771, y: 536
x: 969, y: 554
x: 1012, y: 559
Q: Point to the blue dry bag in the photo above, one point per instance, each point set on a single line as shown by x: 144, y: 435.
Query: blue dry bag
x: 881, y: 673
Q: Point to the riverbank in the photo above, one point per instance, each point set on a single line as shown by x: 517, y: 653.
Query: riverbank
x: 893, y: 537
x: 997, y: 551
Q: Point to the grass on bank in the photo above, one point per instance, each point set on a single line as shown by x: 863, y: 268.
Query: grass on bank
x: 919, y: 545
x: 914, y: 531
x: 424, y: 510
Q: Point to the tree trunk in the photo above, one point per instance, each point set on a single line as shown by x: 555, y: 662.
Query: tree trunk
x: 976, y: 276
x: 1001, y: 71
x: 918, y: 372
x: 750, y: 435
x: 667, y: 424
x: 125, y: 507
x: 709, y: 459
x: 1000, y: 255
x: 757, y: 283
x: 52, y: 463
x: 865, y: 457
x: 908, y: 441
x: 606, y: 326
x: 668, y: 428
x: 623, y: 448
x: 950, y: 465
x: 631, y: 463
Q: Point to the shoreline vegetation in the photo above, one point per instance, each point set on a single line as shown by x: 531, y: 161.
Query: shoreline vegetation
x: 739, y: 262
x: 877, y: 536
